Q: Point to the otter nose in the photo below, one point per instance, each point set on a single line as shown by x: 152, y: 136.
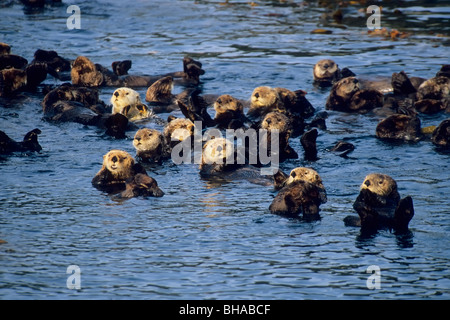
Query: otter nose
x: 257, y: 95
x: 367, y: 183
x: 114, y: 159
x: 355, y: 80
x: 116, y: 94
x: 326, y: 66
x: 268, y: 121
x: 137, y: 138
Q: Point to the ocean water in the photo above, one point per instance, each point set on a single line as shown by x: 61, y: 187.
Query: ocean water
x: 206, y: 240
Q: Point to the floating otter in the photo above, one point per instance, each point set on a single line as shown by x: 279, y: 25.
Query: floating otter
x: 308, y: 141
x: 159, y: 95
x: 29, y: 143
x: 399, y: 127
x: 177, y: 130
x: 303, y: 193
x: 280, y: 122
x: 229, y: 112
x: 128, y: 102
x: 347, y: 96
x: 118, y: 166
x: 67, y: 103
x: 120, y: 68
x: 85, y: 73
x: 215, y: 155
x: 326, y: 72
x: 150, y: 145
x: 441, y: 135
x: 141, y: 185
x: 379, y: 205
x: 265, y: 99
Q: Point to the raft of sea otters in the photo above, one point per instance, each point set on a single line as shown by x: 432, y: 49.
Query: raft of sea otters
x: 281, y: 113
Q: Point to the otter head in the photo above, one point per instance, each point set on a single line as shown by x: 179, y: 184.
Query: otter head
x: 216, y: 151
x: 148, y: 140
x: 128, y: 102
x: 265, y: 99
x: 381, y: 185
x: 305, y: 174
x: 119, y: 163
x: 227, y: 108
x: 276, y: 121
x: 326, y: 70
x: 178, y: 130
x: 347, y: 87
x: 160, y: 91
x: 85, y: 73
x: 142, y: 185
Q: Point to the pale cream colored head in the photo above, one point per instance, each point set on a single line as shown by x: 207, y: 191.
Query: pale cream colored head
x: 305, y: 174
x: 217, y: 150
x: 178, y: 130
x: 325, y: 69
x: 380, y: 184
x: 265, y: 98
x: 147, y: 139
x: 119, y: 163
x: 128, y: 102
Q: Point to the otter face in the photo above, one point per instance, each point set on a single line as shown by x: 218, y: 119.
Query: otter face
x: 347, y: 87
x: 147, y: 139
x: 160, y: 91
x: 216, y: 151
x: 178, y: 130
x: 275, y: 121
x: 305, y: 174
x: 325, y: 69
x: 118, y: 162
x: 128, y: 102
x: 226, y: 104
x: 265, y: 98
x: 380, y: 184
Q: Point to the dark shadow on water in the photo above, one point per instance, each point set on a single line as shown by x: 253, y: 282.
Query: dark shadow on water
x: 366, y: 237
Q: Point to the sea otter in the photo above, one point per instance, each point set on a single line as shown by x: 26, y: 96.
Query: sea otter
x: 159, y: 95
x: 67, y: 103
x: 379, y: 206
x: 141, y: 185
x: 229, y: 112
x: 441, y: 135
x: 281, y: 123
x: 399, y: 127
x: 118, y: 166
x: 302, y: 194
x: 127, y: 101
x: 347, y: 96
x: 326, y: 72
x: 29, y: 143
x: 266, y: 99
x: 85, y: 73
x: 176, y: 130
x: 150, y: 145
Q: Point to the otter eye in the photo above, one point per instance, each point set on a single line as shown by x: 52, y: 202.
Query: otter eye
x: 380, y: 181
x: 126, y: 93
